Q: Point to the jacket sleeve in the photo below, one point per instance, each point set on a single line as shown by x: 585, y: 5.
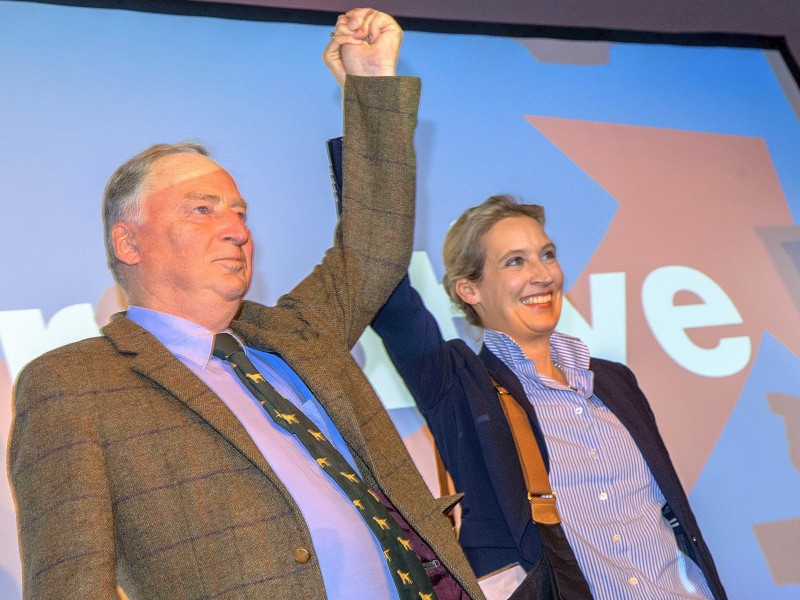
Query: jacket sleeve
x: 414, y: 342
x: 58, y: 474
x: 372, y: 242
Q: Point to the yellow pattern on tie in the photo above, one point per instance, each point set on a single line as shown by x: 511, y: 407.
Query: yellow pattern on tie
x: 317, y: 435
x: 289, y: 418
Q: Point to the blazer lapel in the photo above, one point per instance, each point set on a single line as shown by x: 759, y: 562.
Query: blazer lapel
x: 505, y: 377
x: 500, y: 452
x: 150, y: 359
x: 630, y: 406
x: 615, y: 397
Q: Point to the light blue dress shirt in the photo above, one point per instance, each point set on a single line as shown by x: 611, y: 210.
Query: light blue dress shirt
x: 609, y: 502
x: 349, y: 555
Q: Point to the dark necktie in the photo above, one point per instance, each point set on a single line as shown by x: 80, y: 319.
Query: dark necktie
x: 407, y: 571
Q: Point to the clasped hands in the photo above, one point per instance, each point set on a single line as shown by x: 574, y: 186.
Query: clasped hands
x: 365, y: 42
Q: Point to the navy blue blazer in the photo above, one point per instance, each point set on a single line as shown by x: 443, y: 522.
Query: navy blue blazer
x: 453, y: 389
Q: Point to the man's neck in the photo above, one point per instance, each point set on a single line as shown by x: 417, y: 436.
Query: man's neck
x: 215, y: 317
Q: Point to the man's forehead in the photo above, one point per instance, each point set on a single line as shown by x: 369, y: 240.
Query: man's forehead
x: 184, y: 165
x: 190, y: 172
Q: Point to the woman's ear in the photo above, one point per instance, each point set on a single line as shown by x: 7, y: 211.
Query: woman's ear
x: 123, y: 239
x: 468, y: 291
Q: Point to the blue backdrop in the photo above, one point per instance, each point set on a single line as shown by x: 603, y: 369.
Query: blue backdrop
x: 84, y: 89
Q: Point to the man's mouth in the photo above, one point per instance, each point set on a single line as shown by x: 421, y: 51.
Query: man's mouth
x: 232, y: 264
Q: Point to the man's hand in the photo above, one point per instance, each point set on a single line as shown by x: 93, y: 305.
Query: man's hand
x: 364, y: 42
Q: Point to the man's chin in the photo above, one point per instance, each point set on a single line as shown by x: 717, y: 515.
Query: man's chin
x: 234, y: 292
x: 236, y: 297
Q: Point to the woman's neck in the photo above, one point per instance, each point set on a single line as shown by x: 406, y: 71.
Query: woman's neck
x: 539, y: 353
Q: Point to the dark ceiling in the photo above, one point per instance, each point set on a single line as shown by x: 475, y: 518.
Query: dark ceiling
x: 761, y: 23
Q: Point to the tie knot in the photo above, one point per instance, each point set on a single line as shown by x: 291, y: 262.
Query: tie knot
x: 225, y: 345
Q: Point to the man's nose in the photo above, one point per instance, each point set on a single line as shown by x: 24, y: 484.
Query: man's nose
x: 234, y: 228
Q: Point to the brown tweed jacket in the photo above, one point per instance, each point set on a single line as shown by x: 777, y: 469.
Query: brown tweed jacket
x: 128, y: 470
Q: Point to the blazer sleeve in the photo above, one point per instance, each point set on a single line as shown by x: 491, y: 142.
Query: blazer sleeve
x: 415, y: 345
x: 372, y: 242
x: 58, y: 474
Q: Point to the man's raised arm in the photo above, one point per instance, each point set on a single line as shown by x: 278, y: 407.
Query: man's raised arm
x: 372, y: 245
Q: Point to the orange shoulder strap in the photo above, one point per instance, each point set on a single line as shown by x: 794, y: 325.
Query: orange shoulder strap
x: 540, y: 494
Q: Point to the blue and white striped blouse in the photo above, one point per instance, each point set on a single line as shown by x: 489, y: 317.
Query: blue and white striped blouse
x: 609, y: 502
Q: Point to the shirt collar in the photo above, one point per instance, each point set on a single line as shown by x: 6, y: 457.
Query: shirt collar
x: 502, y: 346
x: 185, y: 339
x: 566, y: 350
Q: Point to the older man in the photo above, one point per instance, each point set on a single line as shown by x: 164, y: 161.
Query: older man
x: 165, y: 458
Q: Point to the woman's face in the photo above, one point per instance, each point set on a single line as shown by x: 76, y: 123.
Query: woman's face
x: 520, y: 292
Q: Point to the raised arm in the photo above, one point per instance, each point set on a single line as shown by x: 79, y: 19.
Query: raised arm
x: 372, y: 243
x: 414, y: 343
x: 409, y: 331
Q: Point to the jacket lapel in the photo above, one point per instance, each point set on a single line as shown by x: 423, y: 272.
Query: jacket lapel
x: 345, y: 394
x: 505, y: 377
x: 151, y: 360
x: 630, y: 406
x: 500, y: 452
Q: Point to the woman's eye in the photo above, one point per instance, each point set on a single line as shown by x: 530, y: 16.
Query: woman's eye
x: 514, y: 262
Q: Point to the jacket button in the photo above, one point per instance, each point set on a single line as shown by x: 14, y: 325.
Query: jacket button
x: 302, y: 555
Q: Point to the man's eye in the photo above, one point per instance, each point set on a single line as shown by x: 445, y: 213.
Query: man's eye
x: 242, y: 216
x: 202, y: 209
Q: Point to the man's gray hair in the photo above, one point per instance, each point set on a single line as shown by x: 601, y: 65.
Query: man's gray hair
x: 122, y: 197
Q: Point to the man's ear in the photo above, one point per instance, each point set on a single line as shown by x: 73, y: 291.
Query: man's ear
x: 123, y: 239
x: 468, y: 291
